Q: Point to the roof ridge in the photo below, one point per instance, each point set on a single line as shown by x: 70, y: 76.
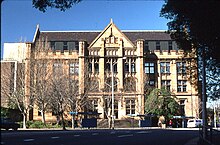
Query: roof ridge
x: 101, y: 31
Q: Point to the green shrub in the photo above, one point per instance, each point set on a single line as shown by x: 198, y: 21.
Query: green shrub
x: 37, y: 124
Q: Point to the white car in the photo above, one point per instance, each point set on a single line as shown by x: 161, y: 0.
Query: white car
x: 194, y: 123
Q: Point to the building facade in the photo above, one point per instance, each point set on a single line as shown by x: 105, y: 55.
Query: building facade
x: 130, y: 61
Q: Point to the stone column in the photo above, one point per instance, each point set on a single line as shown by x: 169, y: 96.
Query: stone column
x: 139, y: 75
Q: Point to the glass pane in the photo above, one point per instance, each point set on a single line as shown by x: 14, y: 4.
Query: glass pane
x: 151, y: 69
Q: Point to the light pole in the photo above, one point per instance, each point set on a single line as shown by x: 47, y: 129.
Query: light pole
x: 113, y: 112
x: 113, y: 98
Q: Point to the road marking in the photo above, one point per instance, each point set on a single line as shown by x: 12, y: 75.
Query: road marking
x: 126, y: 135
x: 55, y: 137
x: 143, y: 132
x: 76, y: 135
x: 27, y: 140
x: 95, y: 134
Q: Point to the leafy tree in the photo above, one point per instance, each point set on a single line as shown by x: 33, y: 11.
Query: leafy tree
x: 194, y: 22
x: 212, y: 78
x: 161, y: 102
x: 62, y: 5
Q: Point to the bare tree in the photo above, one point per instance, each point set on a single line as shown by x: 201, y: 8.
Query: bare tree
x: 41, y: 77
x: 16, y: 88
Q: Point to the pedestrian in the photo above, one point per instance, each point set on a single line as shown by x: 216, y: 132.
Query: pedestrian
x: 170, y: 123
x: 159, y: 123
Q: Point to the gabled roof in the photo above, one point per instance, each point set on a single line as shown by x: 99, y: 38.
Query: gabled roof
x: 111, y: 27
x: 90, y: 36
x: 93, y: 36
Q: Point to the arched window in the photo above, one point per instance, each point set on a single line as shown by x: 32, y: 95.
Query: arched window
x: 129, y: 84
x: 108, y: 84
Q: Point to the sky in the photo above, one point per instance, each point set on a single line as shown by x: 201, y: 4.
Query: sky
x: 19, y: 17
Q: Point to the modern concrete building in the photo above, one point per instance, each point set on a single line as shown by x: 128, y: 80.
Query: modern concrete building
x: 133, y: 60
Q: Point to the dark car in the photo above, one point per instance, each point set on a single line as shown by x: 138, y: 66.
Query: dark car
x: 7, y: 124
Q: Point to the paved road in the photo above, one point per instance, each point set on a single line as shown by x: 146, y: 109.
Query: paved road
x: 99, y: 137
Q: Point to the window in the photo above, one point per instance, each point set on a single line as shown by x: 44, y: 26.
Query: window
x: 114, y: 63
x: 149, y: 67
x: 74, y: 68
x: 52, y: 45
x: 165, y: 84
x: 133, y: 61
x: 57, y: 69
x: 115, y: 68
x: 93, y: 105
x: 130, y: 106
x: 130, y: 65
x: 152, y: 83
x: 94, y: 85
x: 96, y: 65
x: 182, y: 107
x: 129, y: 84
x: 126, y: 66
x: 146, y: 46
x: 108, y: 84
x: 170, y: 45
x: 181, y: 67
x: 76, y: 45
x: 157, y: 45
x: 165, y: 67
x: 65, y: 45
x: 181, y: 86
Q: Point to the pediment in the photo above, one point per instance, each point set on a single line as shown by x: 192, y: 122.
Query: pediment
x: 111, y: 36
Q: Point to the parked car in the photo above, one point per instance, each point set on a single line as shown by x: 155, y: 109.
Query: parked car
x: 194, y: 123
x: 7, y: 124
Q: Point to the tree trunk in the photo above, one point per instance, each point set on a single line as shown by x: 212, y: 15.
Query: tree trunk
x: 24, y: 121
x: 63, y: 121
x: 43, y: 117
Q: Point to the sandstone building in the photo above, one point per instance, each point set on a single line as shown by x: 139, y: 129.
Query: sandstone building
x: 134, y: 60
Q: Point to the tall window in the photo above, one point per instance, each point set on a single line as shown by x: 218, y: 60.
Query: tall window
x: 146, y: 46
x: 52, y: 45
x: 182, y: 107
x: 165, y: 84
x: 170, y: 45
x: 57, y: 69
x: 157, y: 45
x: 93, y: 85
x: 133, y: 68
x: 165, y: 67
x: 130, y: 106
x: 126, y: 66
x: 96, y: 65
x: 93, y: 105
x: 129, y: 84
x: 149, y: 68
x: 65, y: 45
x: 108, y: 85
x: 181, y: 86
x: 114, y: 63
x: 74, y: 68
x: 130, y: 65
x: 181, y: 67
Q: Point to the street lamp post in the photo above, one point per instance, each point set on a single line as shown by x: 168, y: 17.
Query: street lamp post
x: 113, y: 99
x: 112, y: 73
